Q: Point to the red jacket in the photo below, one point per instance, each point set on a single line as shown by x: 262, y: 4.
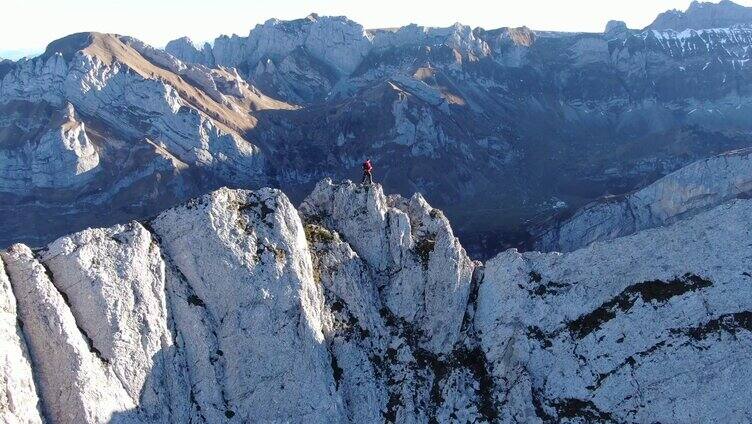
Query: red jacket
x: 367, y: 167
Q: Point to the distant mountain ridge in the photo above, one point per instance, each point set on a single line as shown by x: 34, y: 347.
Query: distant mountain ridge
x: 502, y: 128
x: 233, y: 50
x: 701, y: 15
x: 689, y: 191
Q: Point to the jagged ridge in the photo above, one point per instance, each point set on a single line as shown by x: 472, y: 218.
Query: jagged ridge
x: 361, y: 307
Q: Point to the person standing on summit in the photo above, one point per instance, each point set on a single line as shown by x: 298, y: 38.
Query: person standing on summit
x: 367, y: 176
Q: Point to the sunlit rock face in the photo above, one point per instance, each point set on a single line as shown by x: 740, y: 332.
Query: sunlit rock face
x: 64, y: 157
x: 703, y: 15
x: 101, y: 120
x: 19, y: 402
x: 362, y: 307
x: 422, y: 272
x: 132, y: 324
x: 605, y: 333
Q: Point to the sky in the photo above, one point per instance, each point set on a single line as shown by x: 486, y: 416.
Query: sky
x: 29, y: 25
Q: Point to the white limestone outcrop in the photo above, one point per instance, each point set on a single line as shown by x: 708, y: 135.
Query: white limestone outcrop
x: 396, y: 284
x: 360, y: 307
x: 75, y: 383
x: 185, y: 49
x: 63, y: 157
x: 114, y: 283
x: 653, y: 327
x: 19, y: 402
x: 247, y: 309
x: 425, y: 272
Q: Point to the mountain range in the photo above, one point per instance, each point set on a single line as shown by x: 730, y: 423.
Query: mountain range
x: 503, y: 129
x: 181, y: 241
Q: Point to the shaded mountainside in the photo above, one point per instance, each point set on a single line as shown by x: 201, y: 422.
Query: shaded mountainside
x: 362, y: 307
x: 502, y: 128
x: 686, y: 192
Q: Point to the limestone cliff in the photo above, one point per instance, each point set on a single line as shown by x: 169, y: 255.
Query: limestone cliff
x: 361, y: 307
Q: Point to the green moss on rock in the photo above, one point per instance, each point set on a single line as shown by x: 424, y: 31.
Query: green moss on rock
x: 316, y: 233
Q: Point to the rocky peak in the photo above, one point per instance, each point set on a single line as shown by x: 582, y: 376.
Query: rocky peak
x: 337, y: 41
x: 71, y: 44
x: 107, y: 48
x: 187, y: 42
x: 188, y: 51
x: 361, y: 307
x: 64, y: 156
x: 357, y: 213
x: 5, y: 67
x: 522, y: 36
x: 615, y: 27
x: 462, y: 38
x: 423, y: 273
x: 701, y: 15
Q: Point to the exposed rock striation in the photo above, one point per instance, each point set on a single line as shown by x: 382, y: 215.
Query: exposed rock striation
x: 361, y: 307
x: 19, y: 402
x: 247, y: 310
x: 653, y: 327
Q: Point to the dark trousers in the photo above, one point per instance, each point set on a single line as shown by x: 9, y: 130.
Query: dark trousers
x: 367, y: 177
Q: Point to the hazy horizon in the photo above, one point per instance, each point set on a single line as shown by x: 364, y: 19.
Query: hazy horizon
x: 157, y: 23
